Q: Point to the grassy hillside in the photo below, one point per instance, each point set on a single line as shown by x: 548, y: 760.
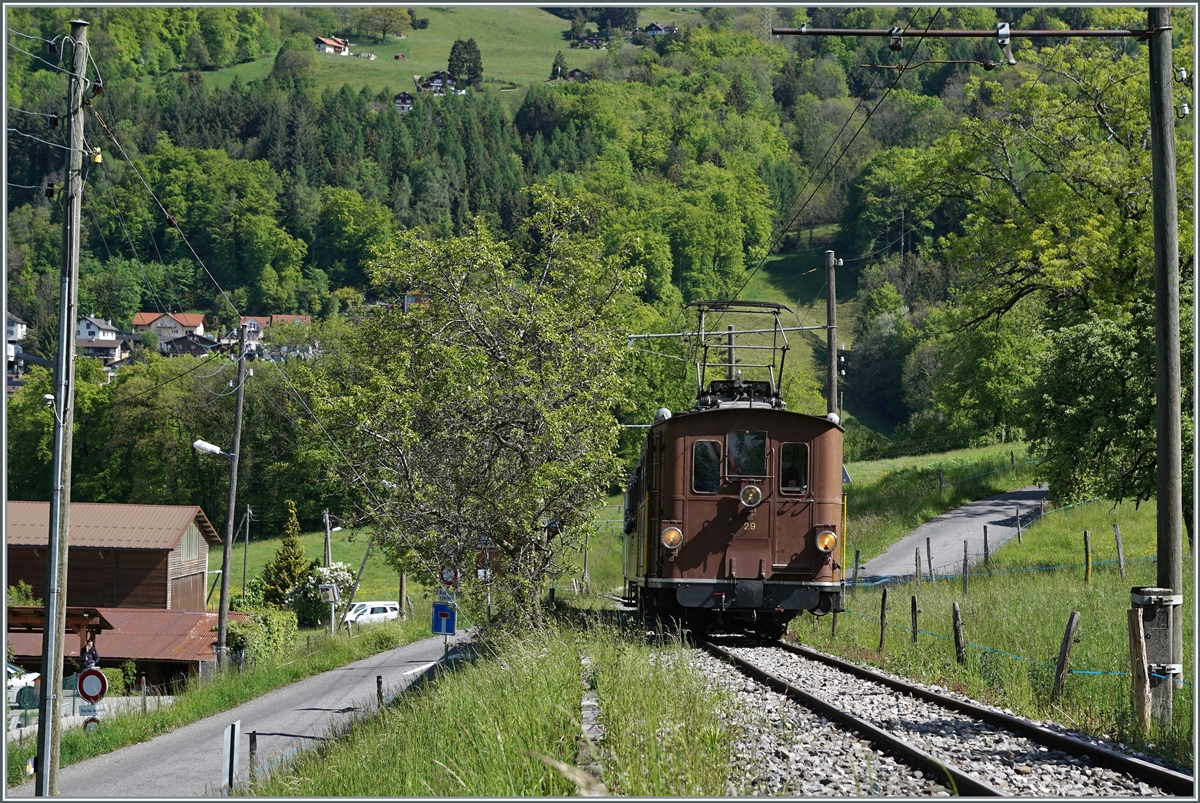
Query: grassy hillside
x: 517, y: 44
x: 379, y: 580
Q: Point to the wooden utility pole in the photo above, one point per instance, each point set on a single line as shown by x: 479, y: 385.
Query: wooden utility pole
x: 1166, y: 335
x: 328, y: 548
x: 831, y: 331
x: 49, y: 705
x: 223, y: 609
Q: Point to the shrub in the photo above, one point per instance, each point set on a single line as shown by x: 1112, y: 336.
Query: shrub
x: 305, y: 597
x: 269, y: 633
x: 116, y: 680
x: 289, y: 566
x: 22, y: 594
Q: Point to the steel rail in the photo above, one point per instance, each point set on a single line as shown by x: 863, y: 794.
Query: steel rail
x: 958, y: 781
x: 1176, y: 783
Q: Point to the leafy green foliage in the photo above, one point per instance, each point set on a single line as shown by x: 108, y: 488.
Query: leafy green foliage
x: 466, y: 63
x: 267, y: 633
x: 305, y: 597
x: 22, y: 594
x: 289, y: 566
x: 478, y: 411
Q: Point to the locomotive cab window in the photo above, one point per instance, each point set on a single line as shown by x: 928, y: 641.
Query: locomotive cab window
x: 747, y: 453
x: 793, y: 468
x: 706, y: 467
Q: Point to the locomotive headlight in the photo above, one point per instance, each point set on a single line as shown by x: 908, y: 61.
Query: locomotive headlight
x: 826, y: 541
x: 751, y: 495
x: 672, y: 537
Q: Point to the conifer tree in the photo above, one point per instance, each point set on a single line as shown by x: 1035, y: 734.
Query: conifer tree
x: 289, y: 566
x: 559, y: 67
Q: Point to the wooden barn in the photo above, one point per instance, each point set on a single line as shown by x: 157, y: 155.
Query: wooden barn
x: 121, y: 556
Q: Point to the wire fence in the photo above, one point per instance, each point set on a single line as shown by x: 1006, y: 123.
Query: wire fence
x: 1004, y: 653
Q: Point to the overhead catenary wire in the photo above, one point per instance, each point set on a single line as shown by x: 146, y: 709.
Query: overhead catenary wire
x: 133, y: 251
x: 871, y: 111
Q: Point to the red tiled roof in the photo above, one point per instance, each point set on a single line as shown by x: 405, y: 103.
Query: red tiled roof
x: 146, y: 318
x: 142, y: 634
x: 109, y: 526
x: 291, y: 319
x: 189, y: 318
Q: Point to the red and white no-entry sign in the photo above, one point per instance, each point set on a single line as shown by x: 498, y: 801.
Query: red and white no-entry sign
x: 92, y: 685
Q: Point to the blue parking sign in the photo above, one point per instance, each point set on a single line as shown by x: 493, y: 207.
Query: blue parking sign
x: 443, y: 620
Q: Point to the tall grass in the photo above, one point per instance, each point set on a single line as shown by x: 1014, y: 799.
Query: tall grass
x: 1015, y: 615
x: 483, y: 728
x: 889, y: 498
x: 315, y: 653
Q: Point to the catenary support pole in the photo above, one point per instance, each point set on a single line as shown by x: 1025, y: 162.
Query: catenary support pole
x: 1166, y: 329
x: 831, y: 331
x: 328, y: 546
x: 49, y: 706
x: 231, y: 508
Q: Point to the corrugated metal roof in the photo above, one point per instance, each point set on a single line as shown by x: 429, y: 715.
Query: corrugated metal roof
x: 142, y: 634
x: 109, y: 526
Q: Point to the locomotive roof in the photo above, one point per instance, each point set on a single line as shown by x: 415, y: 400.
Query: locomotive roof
x: 743, y: 406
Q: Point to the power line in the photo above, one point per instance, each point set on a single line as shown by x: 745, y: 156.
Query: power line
x: 887, y: 91
x: 170, y: 218
x: 168, y: 381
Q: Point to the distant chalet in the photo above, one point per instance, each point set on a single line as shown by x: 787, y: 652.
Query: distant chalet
x: 333, y: 45
x: 404, y: 102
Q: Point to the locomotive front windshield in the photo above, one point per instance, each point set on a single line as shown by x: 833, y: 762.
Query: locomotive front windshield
x: 706, y: 467
x: 793, y: 465
x: 747, y: 451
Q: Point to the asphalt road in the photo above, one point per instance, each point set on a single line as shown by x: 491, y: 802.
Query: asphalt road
x: 947, y: 532
x: 187, y: 762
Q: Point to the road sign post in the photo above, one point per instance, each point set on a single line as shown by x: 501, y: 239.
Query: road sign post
x: 230, y: 763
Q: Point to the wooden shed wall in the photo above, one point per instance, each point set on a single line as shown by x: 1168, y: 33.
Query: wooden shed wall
x: 186, y: 592
x: 102, y: 578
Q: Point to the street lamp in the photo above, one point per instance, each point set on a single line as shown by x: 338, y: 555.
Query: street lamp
x: 205, y: 446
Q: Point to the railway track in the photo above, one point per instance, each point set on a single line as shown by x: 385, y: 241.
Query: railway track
x: 963, y: 747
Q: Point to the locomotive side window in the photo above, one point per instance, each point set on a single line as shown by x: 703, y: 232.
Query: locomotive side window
x: 747, y: 453
x: 793, y: 468
x: 706, y: 467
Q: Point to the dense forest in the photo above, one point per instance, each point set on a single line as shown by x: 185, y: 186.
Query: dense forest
x: 996, y: 221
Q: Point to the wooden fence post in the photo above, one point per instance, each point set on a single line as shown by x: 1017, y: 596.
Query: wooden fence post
x: 965, y: 566
x: 253, y: 757
x: 1064, y: 655
x: 379, y: 690
x: 1087, y: 556
x: 1140, y: 669
x: 941, y: 480
x: 854, y: 582
x: 985, y: 546
x: 833, y: 628
x: 917, y: 573
x: 882, y: 618
x: 960, y: 645
x: 143, y: 694
x: 914, y: 618
x: 1120, y: 549
x: 1018, y: 524
x: 929, y: 559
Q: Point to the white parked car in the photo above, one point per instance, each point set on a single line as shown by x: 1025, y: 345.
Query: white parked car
x: 362, y: 613
x: 17, y: 679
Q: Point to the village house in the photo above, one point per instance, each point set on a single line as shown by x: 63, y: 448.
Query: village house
x: 592, y: 40
x: 15, y: 328
x: 169, y: 324
x: 438, y: 83
x: 404, y: 102
x: 578, y: 75
x: 141, y: 568
x: 120, y: 556
x: 654, y: 29
x: 333, y: 45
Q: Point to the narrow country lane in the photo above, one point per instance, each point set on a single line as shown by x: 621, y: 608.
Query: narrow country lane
x: 947, y: 532
x: 187, y: 762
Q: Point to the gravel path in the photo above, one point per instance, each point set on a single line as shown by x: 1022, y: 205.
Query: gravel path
x: 1012, y: 764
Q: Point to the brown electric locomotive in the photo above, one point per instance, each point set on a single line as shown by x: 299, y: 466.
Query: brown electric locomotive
x: 734, y: 515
